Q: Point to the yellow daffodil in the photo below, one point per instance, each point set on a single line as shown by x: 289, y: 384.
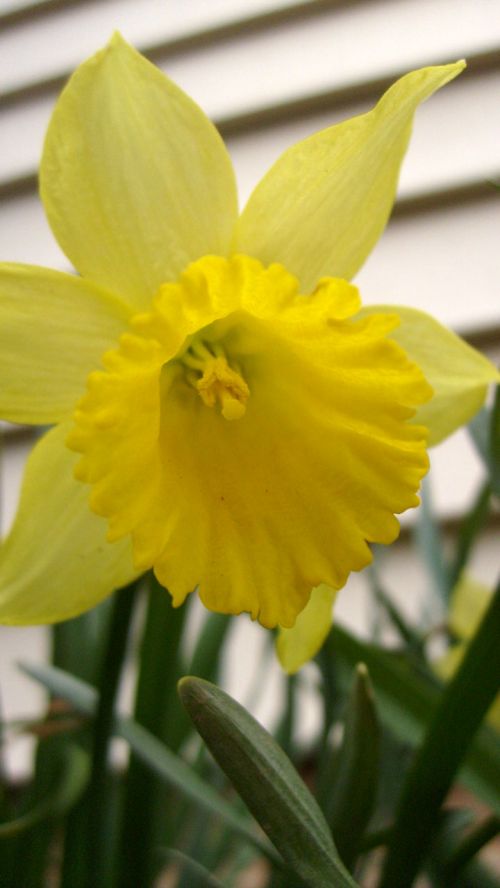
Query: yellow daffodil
x: 224, y: 410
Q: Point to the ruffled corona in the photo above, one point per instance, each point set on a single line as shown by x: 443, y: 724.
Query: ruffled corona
x: 252, y: 440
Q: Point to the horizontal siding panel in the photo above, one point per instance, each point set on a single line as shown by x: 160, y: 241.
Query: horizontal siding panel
x: 48, y: 46
x: 332, y: 51
x: 464, y: 115
x: 305, y: 54
x: 13, y: 455
x: 456, y: 138
x: 25, y: 235
x: 445, y: 262
x: 14, y: 11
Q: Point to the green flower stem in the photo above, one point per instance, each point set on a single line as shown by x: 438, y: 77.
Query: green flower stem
x: 86, y: 633
x: 157, y: 708
x: 460, y: 712
x: 472, y: 525
x: 98, y: 796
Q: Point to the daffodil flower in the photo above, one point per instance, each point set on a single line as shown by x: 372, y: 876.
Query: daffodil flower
x: 224, y: 410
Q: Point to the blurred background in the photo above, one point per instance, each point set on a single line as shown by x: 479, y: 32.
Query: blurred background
x: 270, y: 72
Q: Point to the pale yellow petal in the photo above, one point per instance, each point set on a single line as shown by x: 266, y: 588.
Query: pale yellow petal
x: 135, y: 180
x: 56, y: 562
x: 302, y: 642
x: 458, y: 373
x: 54, y: 329
x: 469, y: 603
x: 325, y: 202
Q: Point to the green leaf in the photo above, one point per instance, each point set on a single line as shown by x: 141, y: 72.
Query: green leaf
x: 77, y: 647
x: 494, y: 443
x: 406, y: 699
x: 464, y: 703
x: 148, y: 803
x: 98, y: 797
x: 406, y: 632
x: 455, y: 829
x: 482, y: 833
x: 207, y: 653
x: 267, y: 782
x: 350, y: 784
x: 77, y: 644
x: 284, y: 732
x: 429, y: 542
x: 164, y: 763
x: 485, y: 432
x: 469, y: 530
x: 199, y: 877
x: 75, y: 769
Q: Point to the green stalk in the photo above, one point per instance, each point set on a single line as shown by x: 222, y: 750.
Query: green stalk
x: 472, y: 525
x: 157, y: 708
x: 473, y: 842
x: 98, y: 795
x: 459, y: 714
x: 284, y: 732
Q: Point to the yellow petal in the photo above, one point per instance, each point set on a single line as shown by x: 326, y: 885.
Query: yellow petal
x: 299, y: 644
x: 469, y: 603
x: 54, y: 329
x: 56, y: 562
x: 459, y: 374
x: 325, y: 202
x: 135, y: 180
x: 259, y: 505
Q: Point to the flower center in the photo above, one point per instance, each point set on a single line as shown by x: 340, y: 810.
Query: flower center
x: 215, y: 380
x: 258, y: 512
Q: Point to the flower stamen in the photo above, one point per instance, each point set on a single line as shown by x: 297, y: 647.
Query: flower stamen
x: 218, y: 382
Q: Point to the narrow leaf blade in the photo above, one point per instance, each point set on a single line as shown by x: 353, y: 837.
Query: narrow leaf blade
x: 461, y: 709
x: 354, y: 770
x: 168, y: 766
x: 75, y: 769
x: 406, y: 700
x: 268, y: 783
x: 199, y: 876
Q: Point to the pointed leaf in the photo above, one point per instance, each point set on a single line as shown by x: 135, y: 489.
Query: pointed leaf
x: 406, y: 700
x: 351, y: 786
x: 428, y: 538
x: 470, y: 528
x: 458, y: 716
x: 199, y: 876
x: 267, y: 782
x: 485, y: 432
